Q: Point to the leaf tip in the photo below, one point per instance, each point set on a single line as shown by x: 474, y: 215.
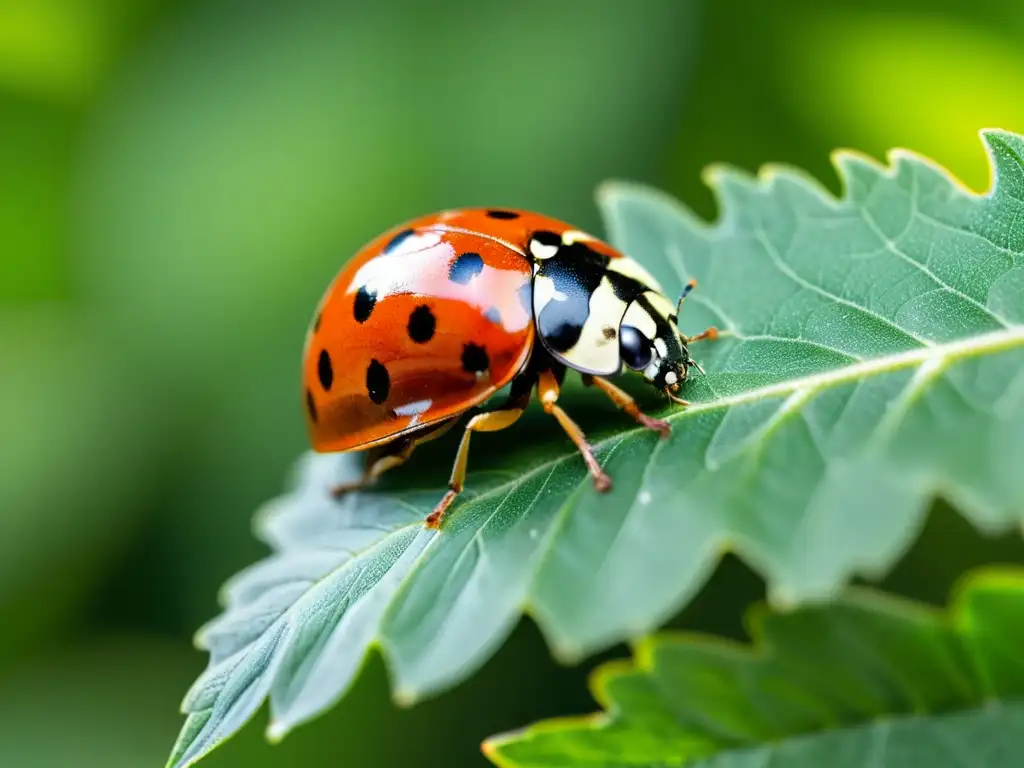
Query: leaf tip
x: 783, y: 598
x: 566, y: 653
x: 405, y: 697
x: 1006, y: 156
x: 491, y: 748
x: 717, y: 177
x: 853, y: 164
x: 199, y: 638
x: 276, y: 731
x: 727, y: 183
x: 607, y: 190
x: 992, y: 135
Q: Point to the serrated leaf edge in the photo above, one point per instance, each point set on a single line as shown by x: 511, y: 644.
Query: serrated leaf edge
x: 954, y: 614
x: 768, y: 174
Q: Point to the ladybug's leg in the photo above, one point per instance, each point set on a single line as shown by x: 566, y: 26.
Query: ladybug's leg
x: 376, y: 465
x: 491, y: 421
x: 627, y: 403
x: 547, y: 388
x: 388, y: 457
x: 710, y: 334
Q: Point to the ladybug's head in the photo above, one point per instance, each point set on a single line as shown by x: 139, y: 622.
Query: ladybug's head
x: 649, y: 342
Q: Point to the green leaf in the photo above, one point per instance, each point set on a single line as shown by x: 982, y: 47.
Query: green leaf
x: 876, y: 361
x: 868, y: 680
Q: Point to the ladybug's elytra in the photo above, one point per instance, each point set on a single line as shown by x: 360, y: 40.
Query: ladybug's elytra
x: 430, y: 319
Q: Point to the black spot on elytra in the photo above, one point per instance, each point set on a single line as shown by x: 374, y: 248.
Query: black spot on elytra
x: 465, y: 268
x: 325, y: 371
x: 422, y: 324
x: 609, y: 332
x: 397, y: 240
x: 493, y: 315
x: 378, y: 382
x: 474, y: 358
x: 311, y: 406
x: 505, y: 215
x: 364, y: 304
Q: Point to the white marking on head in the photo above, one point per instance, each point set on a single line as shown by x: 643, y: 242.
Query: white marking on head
x: 541, y: 251
x: 652, y: 368
x: 660, y: 347
x: 671, y: 378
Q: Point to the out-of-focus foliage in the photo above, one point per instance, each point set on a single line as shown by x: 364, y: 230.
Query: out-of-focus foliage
x: 179, y: 181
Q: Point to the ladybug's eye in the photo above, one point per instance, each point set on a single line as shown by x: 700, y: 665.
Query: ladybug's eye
x: 634, y: 347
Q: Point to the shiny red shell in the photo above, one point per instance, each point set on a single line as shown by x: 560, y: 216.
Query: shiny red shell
x: 424, y: 322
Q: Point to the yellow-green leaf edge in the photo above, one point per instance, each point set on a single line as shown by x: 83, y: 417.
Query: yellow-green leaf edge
x: 956, y: 617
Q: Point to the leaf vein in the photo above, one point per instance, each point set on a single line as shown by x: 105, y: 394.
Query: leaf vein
x: 970, y: 233
x: 892, y: 247
x: 788, y: 271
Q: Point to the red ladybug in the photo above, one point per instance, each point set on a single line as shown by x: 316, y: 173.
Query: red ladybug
x: 431, y: 318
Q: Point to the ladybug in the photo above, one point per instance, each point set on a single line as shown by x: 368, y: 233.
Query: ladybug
x: 431, y: 318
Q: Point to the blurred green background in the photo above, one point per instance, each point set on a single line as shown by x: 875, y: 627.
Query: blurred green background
x: 180, y: 180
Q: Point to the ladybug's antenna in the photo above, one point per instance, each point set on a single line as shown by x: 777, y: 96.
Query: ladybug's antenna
x: 686, y: 292
x: 695, y: 364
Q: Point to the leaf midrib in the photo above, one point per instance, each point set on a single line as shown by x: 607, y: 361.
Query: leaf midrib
x: 974, y: 346
x: 937, y: 354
